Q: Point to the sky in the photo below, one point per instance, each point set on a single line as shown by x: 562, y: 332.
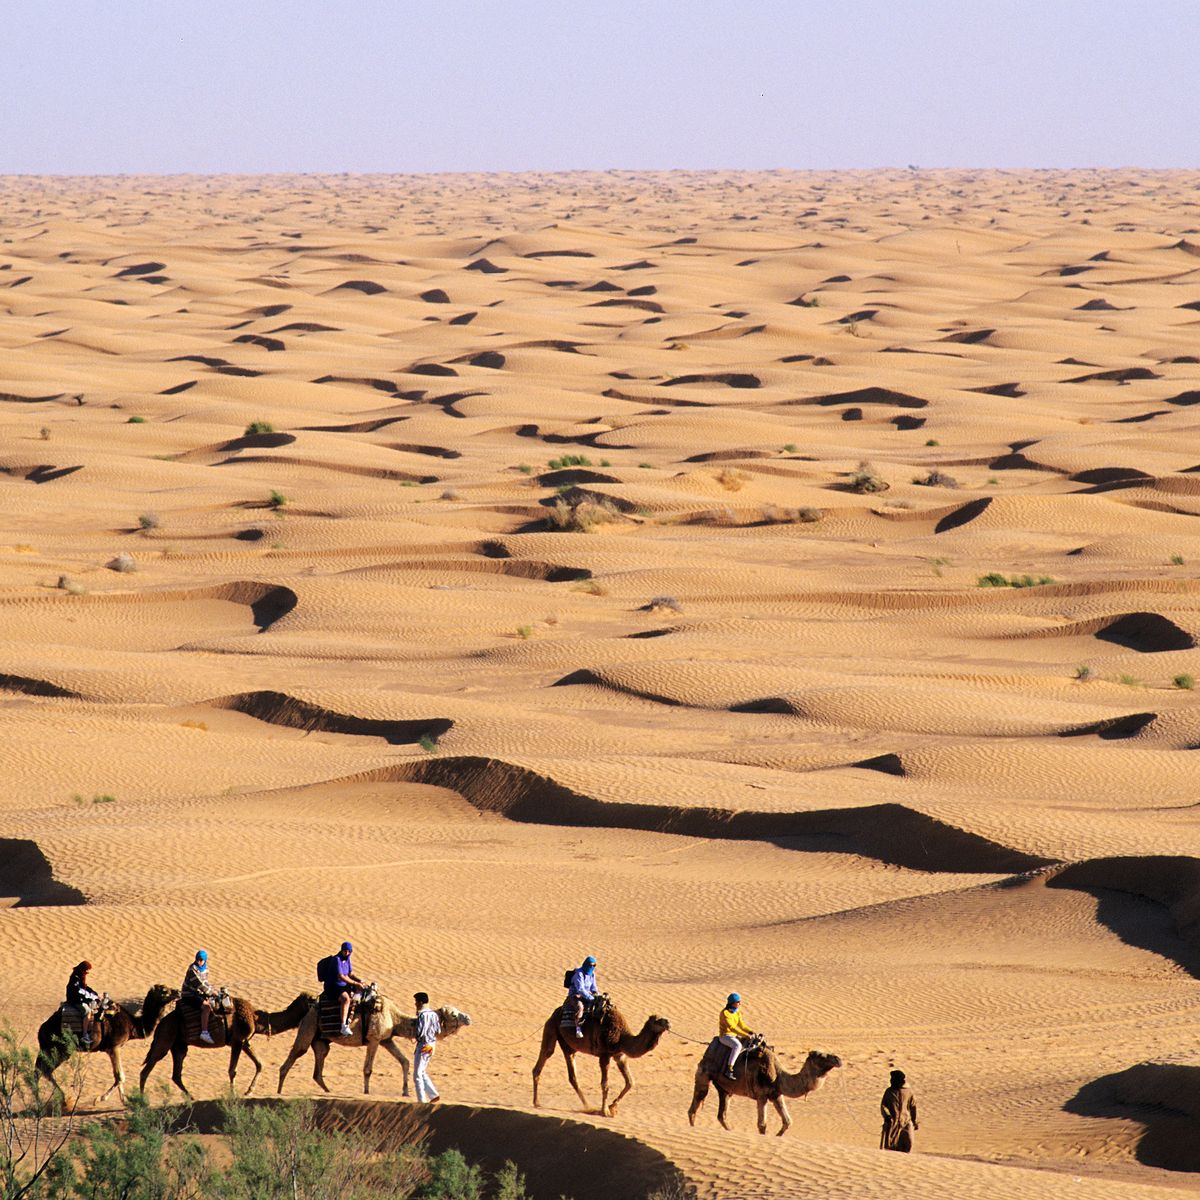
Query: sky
x: 248, y: 86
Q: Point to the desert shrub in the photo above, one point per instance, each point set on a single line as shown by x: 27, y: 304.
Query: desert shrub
x: 583, y: 516
x: 277, y: 499
x: 44, y: 433
x: 71, y: 586
x: 592, y: 587
x: 669, y: 603
x: 790, y: 448
x: 1083, y: 672
x: 1186, y: 682
x: 1129, y: 680
x: 136, y: 421
x: 450, y: 494
x: 731, y: 480
x: 805, y: 515
x: 1177, y: 560
x: 148, y: 520
x: 259, y: 427
x: 428, y: 743
x: 932, y: 442
x: 569, y: 460
x: 867, y: 479
x: 995, y: 579
x: 524, y: 632
x: 936, y: 478
x: 124, y: 563
x: 525, y: 468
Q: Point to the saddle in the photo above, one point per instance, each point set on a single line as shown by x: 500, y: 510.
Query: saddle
x: 329, y: 1012
x: 756, y: 1056
x: 218, y: 1021
x: 71, y: 1018
x: 595, y: 1013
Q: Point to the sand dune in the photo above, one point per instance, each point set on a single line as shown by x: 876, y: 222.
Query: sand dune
x: 775, y: 582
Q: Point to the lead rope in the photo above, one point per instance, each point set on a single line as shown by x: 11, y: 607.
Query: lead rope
x: 842, y: 1095
x: 694, y: 1041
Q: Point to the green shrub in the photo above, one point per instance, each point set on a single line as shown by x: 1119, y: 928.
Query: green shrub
x: 1177, y: 560
x: 136, y: 421
x: 148, y: 521
x: 259, y: 427
x: 1083, y: 673
x: 582, y: 516
x: 428, y: 743
x: 1186, y: 682
x: 867, y: 479
x: 995, y: 579
x: 277, y: 499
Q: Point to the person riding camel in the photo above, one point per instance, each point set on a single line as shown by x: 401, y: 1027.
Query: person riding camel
x: 197, y: 992
x: 80, y: 996
x: 732, y: 1030
x: 340, y: 983
x: 582, y: 992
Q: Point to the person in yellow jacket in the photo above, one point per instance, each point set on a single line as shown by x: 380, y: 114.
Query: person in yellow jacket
x: 732, y: 1030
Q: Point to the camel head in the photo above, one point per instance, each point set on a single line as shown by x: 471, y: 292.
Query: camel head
x: 289, y: 1018
x: 452, y: 1020
x: 656, y: 1026
x: 821, y: 1064
x: 816, y: 1066
x: 157, y: 999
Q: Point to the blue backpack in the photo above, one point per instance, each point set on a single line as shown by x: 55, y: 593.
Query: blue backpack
x: 327, y: 969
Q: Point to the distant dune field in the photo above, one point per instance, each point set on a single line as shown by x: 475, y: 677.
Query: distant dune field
x: 784, y: 583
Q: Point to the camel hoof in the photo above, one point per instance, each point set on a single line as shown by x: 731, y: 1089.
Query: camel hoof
x: 692, y: 1120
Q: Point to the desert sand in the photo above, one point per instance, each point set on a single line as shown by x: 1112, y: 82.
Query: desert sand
x: 914, y: 821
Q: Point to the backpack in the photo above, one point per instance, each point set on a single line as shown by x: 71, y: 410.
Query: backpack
x: 327, y: 970
x: 567, y: 976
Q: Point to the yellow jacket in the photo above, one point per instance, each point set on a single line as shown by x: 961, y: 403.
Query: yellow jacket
x: 732, y: 1025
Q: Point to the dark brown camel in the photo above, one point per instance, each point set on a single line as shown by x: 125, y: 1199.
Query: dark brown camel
x: 243, y: 1023
x: 760, y: 1078
x: 109, y: 1033
x: 609, y: 1039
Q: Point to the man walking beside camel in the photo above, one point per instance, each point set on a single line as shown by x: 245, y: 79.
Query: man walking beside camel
x: 428, y: 1028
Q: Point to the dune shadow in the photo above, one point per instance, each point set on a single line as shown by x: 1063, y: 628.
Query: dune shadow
x: 27, y: 877
x: 1163, y: 1097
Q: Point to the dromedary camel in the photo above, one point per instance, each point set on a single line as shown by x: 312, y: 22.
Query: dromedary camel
x: 244, y: 1022
x: 609, y: 1039
x: 760, y: 1079
x: 385, y: 1025
x: 110, y: 1032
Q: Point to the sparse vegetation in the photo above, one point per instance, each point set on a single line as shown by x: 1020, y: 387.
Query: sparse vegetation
x: 1083, y: 673
x: 148, y: 521
x: 524, y: 632
x: 933, y: 442
x: 525, y: 468
x: 450, y: 494
x: 936, y: 478
x: 44, y: 433
x: 1177, y: 560
x: 995, y: 579
x: 592, y: 587
x: 731, y: 480
x: 124, y: 563
x: 807, y: 302
x: 805, y: 515
x: 605, y: 463
x: 136, y: 421
x: 667, y: 603
x: 790, y: 448
x: 277, y: 500
x: 993, y: 481
x: 569, y: 460
x: 866, y: 479
x: 1129, y: 680
x: 428, y: 743
x: 1185, y: 682
x: 258, y: 427
x: 71, y: 586
x: 582, y: 516
x: 104, y: 798
x: 646, y: 466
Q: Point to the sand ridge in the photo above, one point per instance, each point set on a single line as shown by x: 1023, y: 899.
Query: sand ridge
x: 758, y: 726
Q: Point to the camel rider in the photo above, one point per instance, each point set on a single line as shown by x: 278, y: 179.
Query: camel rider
x: 582, y: 991
x: 198, y: 993
x: 341, y: 982
x: 732, y: 1030
x: 80, y: 996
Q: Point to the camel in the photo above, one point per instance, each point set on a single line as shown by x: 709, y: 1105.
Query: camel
x: 244, y: 1022
x: 607, y: 1038
x: 761, y: 1079
x: 112, y: 1030
x: 385, y: 1025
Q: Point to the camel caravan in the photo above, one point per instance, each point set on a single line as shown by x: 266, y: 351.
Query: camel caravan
x: 350, y: 1012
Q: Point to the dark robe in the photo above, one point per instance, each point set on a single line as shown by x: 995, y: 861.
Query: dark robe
x: 899, y: 1111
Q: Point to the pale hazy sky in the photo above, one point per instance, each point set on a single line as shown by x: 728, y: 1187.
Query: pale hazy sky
x: 112, y: 86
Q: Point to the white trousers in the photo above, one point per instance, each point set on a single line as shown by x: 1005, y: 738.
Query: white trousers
x: 735, y: 1048
x: 424, y: 1085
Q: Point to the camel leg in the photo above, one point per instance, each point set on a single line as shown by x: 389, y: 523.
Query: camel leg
x: 569, y: 1055
x: 762, y: 1114
x: 369, y: 1066
x: 785, y: 1117
x: 157, y: 1052
x: 699, y: 1095
x: 390, y: 1046
x: 235, y: 1053
x: 46, y: 1067
x: 722, y: 1106
x: 320, y: 1049
x: 299, y: 1049
x: 623, y: 1067
x: 118, y: 1082
x: 178, y: 1054
x: 604, y: 1060
x: 257, y: 1066
x: 549, y: 1042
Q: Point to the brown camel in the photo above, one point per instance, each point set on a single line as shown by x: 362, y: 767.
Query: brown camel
x: 385, y: 1025
x: 110, y: 1032
x: 244, y: 1022
x: 607, y: 1038
x: 761, y: 1079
